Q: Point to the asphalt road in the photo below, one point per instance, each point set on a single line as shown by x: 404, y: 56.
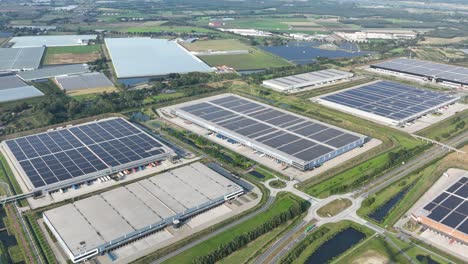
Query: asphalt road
x: 262, y: 209
x: 425, y: 158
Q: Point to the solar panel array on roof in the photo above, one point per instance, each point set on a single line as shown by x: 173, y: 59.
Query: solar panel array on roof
x: 63, y: 154
x: 12, y: 59
x: 428, y: 69
x: 391, y: 100
x: 303, y: 140
x: 306, y: 79
x: 84, y: 81
x: 450, y: 208
x: 12, y: 88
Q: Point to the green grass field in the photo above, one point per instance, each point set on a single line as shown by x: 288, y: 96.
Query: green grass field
x: 176, y: 29
x: 260, y: 23
x: 217, y: 44
x: 281, y: 204
x: 74, y: 49
x: 447, y: 128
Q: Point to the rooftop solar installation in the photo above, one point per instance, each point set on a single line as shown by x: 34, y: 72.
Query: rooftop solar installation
x: 297, y: 138
x: 64, y: 154
x: 390, y: 100
x: 144, y: 57
x: 450, y: 208
x: 12, y: 88
x: 12, y: 59
x: 306, y: 79
x: 53, y: 71
x: 51, y: 41
x: 83, y: 81
x: 428, y: 69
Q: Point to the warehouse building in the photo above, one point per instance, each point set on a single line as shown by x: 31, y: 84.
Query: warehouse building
x: 73, y: 155
x: 51, y: 41
x: 437, y: 72
x: 388, y: 102
x: 444, y: 209
x: 53, y: 71
x: 21, y: 59
x: 310, y: 80
x: 137, y: 210
x: 290, y: 139
x: 12, y: 88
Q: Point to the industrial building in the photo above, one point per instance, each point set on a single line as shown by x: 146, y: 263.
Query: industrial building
x: 51, y: 41
x: 291, y: 139
x: 447, y: 213
x: 146, y: 57
x: 73, y: 155
x: 114, y: 218
x: 21, y: 59
x: 12, y: 88
x: 296, y: 83
x: 387, y: 102
x: 92, y: 80
x: 53, y: 71
x: 437, y: 72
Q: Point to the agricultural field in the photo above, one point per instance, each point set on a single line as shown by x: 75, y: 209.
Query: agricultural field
x: 256, y: 59
x: 442, y: 41
x: 92, y: 91
x: 438, y: 54
x: 72, y: 54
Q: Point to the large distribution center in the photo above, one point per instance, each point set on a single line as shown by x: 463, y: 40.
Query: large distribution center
x: 292, y: 139
x: 387, y: 102
x: 102, y: 222
x: 144, y: 57
x: 298, y: 82
x: 51, y: 41
x: 12, y: 88
x: 20, y: 59
x: 427, y: 69
x: 74, y: 154
x: 448, y: 212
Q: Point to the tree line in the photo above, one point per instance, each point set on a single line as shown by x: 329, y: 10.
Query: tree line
x: 242, y: 240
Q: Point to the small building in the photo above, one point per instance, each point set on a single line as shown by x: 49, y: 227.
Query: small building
x: 310, y: 80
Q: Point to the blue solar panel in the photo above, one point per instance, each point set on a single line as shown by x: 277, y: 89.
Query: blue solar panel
x: 391, y: 100
x: 64, y: 154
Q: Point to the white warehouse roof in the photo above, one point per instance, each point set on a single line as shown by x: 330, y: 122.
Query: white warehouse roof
x: 288, y: 83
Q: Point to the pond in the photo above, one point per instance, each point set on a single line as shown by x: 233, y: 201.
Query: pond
x: 382, y: 212
x: 308, y: 52
x: 257, y: 174
x: 134, y: 81
x: 426, y: 259
x: 6, y: 240
x: 4, y: 34
x: 336, y: 246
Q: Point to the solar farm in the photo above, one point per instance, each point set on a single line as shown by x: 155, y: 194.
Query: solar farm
x: 20, y: 59
x: 144, y: 57
x: 430, y: 70
x: 299, y: 82
x: 75, y: 154
x: 448, y: 211
x: 388, y: 102
x: 12, y: 88
x: 51, y: 41
x: 84, y: 82
x: 137, y: 209
x: 291, y: 139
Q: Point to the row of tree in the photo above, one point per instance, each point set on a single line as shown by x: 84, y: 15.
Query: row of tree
x: 242, y: 240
